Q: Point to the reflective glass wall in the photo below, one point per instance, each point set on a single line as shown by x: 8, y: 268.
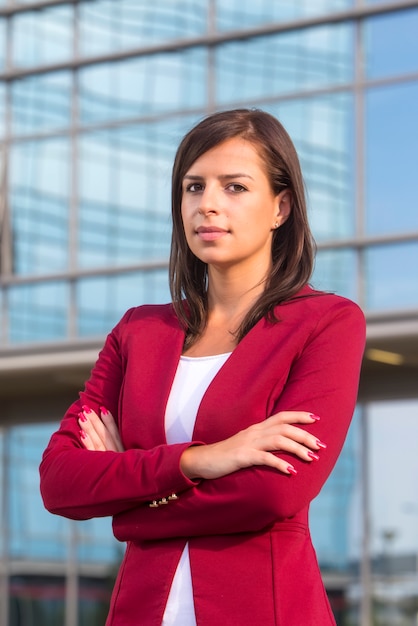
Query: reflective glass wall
x: 94, y: 98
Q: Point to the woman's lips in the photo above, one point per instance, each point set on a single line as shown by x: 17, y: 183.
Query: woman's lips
x: 210, y: 233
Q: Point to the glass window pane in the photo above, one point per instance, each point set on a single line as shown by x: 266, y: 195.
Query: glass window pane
x: 96, y: 543
x: 41, y: 103
x: 384, y: 1
x: 146, y: 85
x: 401, y: 30
x: 335, y: 270
x: 38, y: 312
x: 335, y: 512
x: 392, y: 276
x: 33, y: 532
x: 124, y: 198
x: 237, y: 14
x: 391, y: 158
x: 108, y: 26
x: 3, y: 316
x: 394, y: 507
x: 322, y: 130
x: 28, y: 2
x: 42, y: 37
x: 42, y: 598
x: 103, y: 300
x: 94, y: 597
x: 39, y: 200
x: 125, y: 193
x: 2, y: 43
x: 277, y: 64
x: 2, y: 109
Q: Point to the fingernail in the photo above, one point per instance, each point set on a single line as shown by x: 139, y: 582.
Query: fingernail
x: 314, y: 417
x: 320, y: 444
x: 82, y: 417
x: 313, y: 455
x: 82, y: 434
x: 87, y: 409
x: 104, y: 410
x: 291, y: 469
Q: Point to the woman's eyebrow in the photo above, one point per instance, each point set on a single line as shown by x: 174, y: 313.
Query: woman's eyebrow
x: 237, y: 175
x: 220, y: 177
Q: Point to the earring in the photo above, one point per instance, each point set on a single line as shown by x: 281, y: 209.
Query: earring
x: 276, y: 225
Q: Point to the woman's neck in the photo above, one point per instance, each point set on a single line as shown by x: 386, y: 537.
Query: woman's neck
x: 232, y: 294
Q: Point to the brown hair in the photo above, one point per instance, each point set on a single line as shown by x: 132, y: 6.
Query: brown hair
x: 292, y: 247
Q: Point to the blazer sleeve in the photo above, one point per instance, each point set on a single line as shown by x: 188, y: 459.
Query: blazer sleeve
x: 323, y: 380
x: 79, y: 483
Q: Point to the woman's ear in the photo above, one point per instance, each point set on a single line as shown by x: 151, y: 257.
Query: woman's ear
x: 284, y: 207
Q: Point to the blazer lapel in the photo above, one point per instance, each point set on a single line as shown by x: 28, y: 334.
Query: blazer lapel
x: 155, y: 343
x: 246, y: 388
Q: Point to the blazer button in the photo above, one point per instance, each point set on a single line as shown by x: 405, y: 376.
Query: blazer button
x: 173, y: 497
x: 154, y: 504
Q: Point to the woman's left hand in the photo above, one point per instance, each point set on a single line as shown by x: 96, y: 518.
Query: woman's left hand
x: 99, y: 433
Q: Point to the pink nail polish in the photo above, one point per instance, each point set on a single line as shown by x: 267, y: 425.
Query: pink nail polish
x: 320, y: 444
x: 82, y: 434
x: 314, y: 417
x: 104, y: 410
x: 291, y: 469
x: 82, y: 417
x: 312, y: 455
x: 87, y: 409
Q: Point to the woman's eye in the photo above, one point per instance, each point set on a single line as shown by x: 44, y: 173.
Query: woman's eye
x: 236, y: 188
x: 194, y: 187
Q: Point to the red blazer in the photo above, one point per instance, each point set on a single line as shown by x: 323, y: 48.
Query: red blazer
x: 251, y: 555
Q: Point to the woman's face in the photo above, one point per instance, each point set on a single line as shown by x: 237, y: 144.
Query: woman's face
x: 228, y: 208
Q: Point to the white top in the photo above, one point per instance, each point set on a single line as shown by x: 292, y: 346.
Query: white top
x: 193, y: 377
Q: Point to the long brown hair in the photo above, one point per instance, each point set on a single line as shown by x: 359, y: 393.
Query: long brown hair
x: 292, y: 246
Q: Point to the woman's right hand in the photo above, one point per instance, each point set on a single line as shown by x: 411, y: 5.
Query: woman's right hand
x: 256, y: 445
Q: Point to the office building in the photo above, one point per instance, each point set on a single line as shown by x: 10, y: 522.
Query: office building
x: 94, y: 97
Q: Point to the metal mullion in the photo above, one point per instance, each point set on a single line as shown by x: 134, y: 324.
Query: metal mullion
x: 31, y: 350
x: 163, y: 263
x: 369, y: 240
x: 392, y: 315
x: 387, y: 81
x: 85, y: 273
x: 7, y: 241
x: 294, y: 95
x: 73, y: 222
x: 359, y: 11
x: 359, y: 176
x: 72, y: 574
x: 366, y: 584
x: 128, y: 121
x: 365, y: 562
x: 14, y: 8
x: 5, y: 530
x: 71, y: 577
x: 305, y: 94
x: 6, y: 248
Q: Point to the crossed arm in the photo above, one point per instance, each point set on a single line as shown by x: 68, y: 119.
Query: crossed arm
x: 224, y: 499
x: 260, y: 475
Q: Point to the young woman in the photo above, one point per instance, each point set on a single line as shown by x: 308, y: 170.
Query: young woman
x: 209, y: 424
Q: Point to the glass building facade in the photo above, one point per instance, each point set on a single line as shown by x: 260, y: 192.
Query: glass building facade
x: 94, y: 97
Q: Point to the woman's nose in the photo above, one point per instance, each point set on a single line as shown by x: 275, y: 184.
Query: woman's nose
x: 209, y: 201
